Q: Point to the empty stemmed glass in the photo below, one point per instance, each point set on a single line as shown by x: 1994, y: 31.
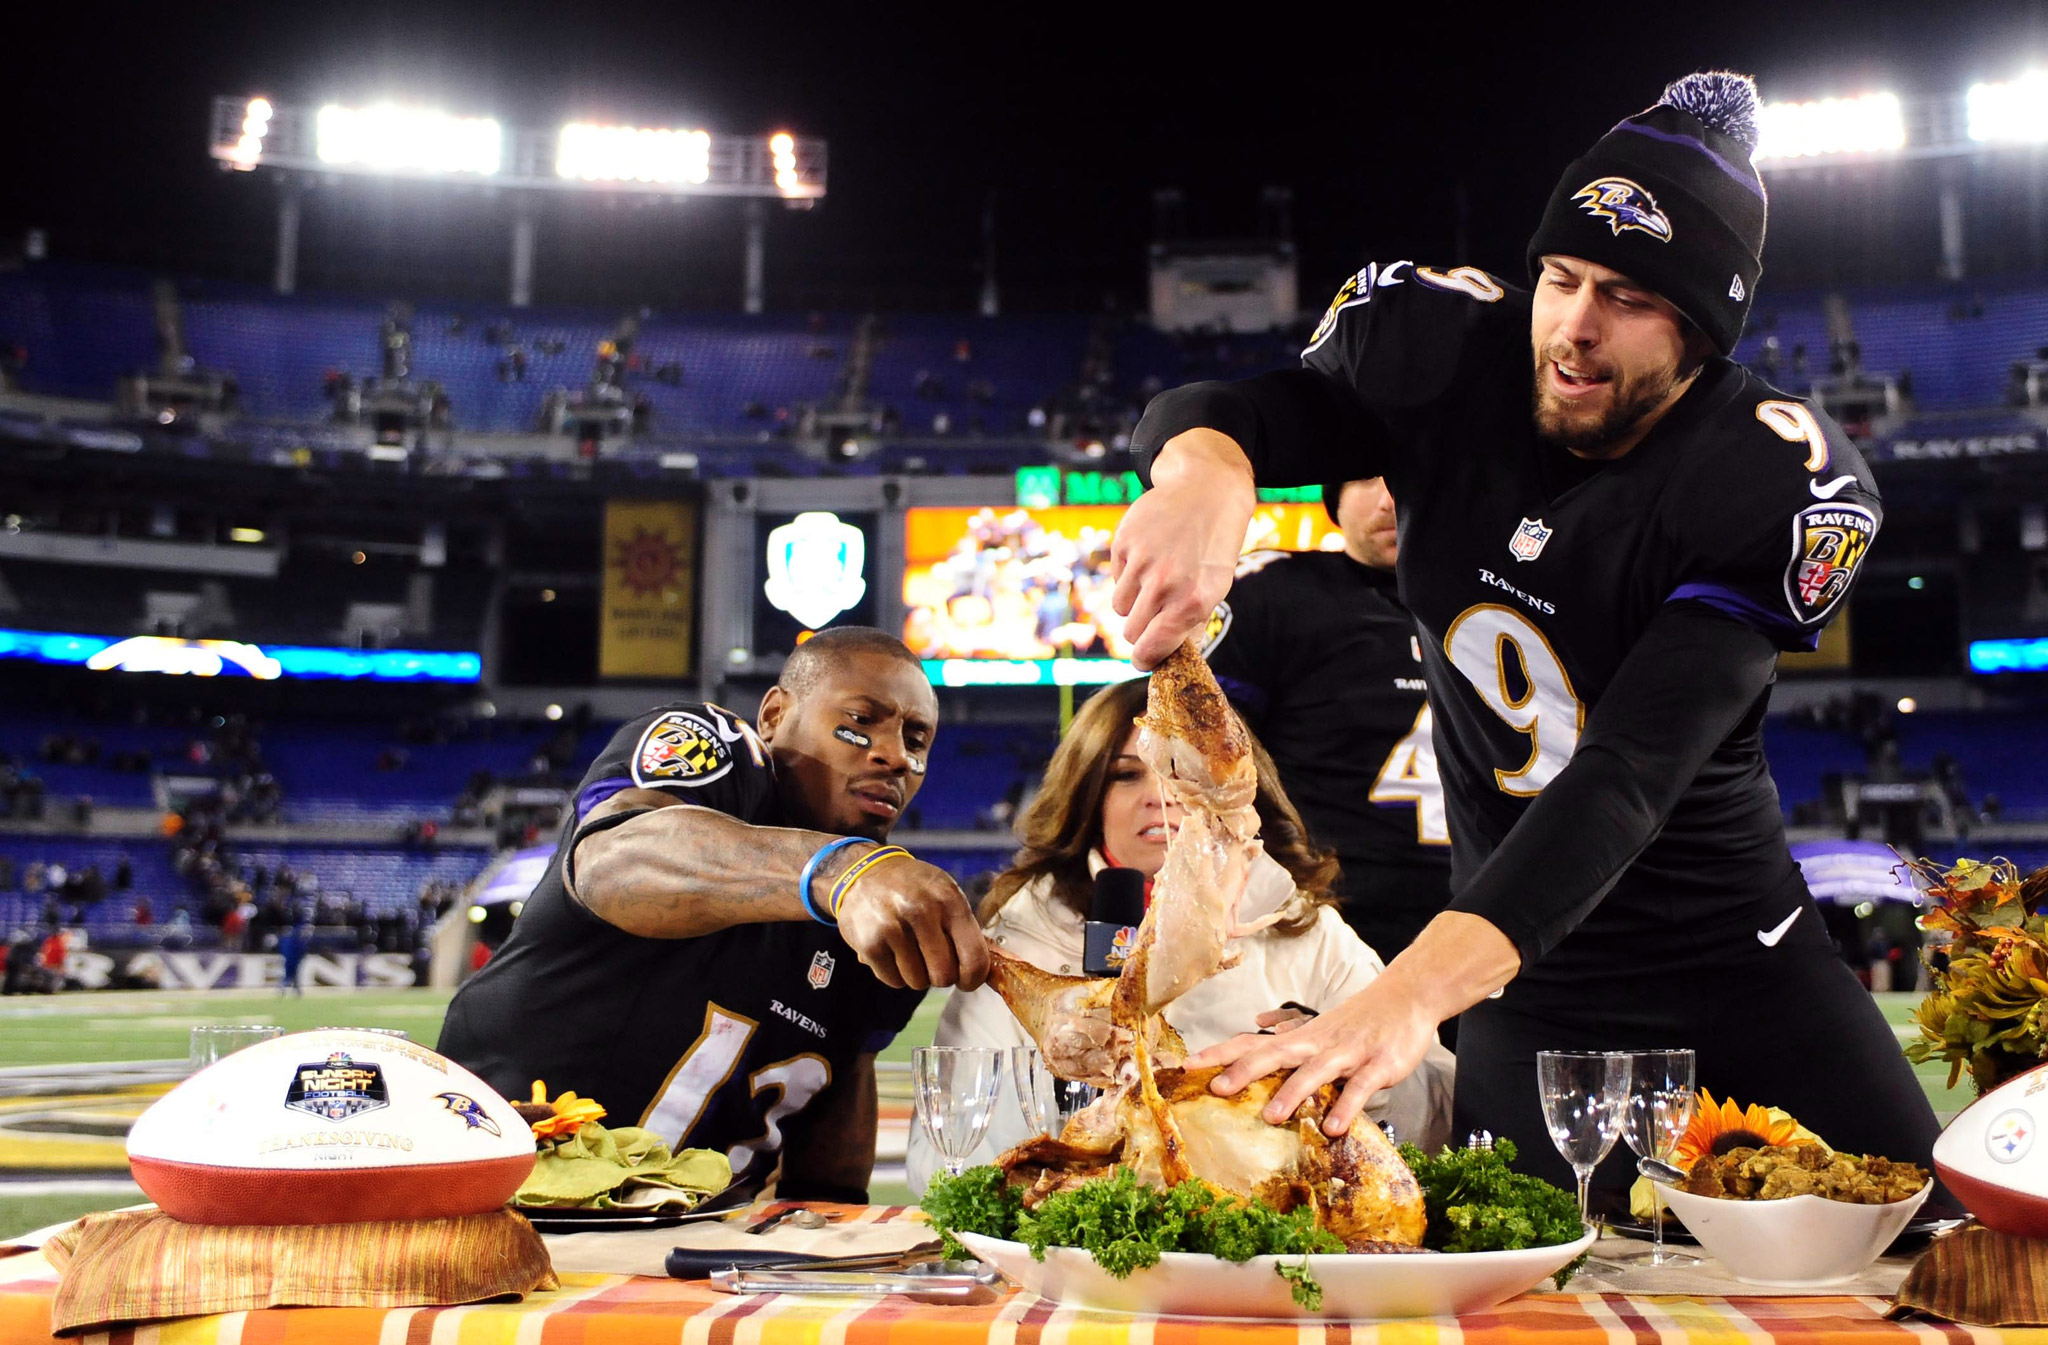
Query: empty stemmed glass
x: 1584, y: 1094
x: 955, y: 1091
x: 1035, y: 1086
x: 1660, y: 1105
x: 1048, y: 1101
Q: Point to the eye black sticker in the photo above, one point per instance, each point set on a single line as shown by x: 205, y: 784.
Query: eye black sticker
x: 857, y: 738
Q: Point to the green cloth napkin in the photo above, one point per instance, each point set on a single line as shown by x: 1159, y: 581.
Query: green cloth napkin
x: 629, y: 1167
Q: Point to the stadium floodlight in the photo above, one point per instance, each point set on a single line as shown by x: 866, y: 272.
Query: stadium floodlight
x: 2011, y: 112
x: 1873, y: 123
x: 782, y: 145
x: 591, y: 153
x: 392, y: 139
x: 577, y: 156
x: 255, y: 125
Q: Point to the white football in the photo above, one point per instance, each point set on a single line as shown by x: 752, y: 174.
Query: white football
x: 1993, y: 1159
x: 330, y: 1127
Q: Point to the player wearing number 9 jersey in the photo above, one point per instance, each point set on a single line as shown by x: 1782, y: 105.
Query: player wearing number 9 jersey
x: 1604, y: 567
x: 677, y: 961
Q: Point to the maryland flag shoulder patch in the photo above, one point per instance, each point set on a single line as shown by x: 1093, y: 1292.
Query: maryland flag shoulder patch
x: 1216, y: 628
x: 1829, y: 542
x: 1356, y: 289
x: 680, y: 748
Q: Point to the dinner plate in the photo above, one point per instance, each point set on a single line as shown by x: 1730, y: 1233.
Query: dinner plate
x: 1911, y: 1236
x: 559, y: 1220
x: 1355, y: 1288
x: 570, y: 1219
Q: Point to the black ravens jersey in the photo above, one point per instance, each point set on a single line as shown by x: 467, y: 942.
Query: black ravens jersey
x: 1599, y: 639
x: 1532, y: 575
x: 712, y: 1042
x: 1318, y: 654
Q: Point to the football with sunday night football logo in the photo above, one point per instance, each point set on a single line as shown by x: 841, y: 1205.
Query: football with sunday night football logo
x: 330, y: 1127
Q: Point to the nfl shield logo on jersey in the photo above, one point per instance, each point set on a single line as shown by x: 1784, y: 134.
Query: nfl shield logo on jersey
x: 1527, y: 543
x: 821, y: 969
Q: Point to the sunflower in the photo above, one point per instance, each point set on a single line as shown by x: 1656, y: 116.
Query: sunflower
x: 1720, y: 1126
x: 1716, y: 1128
x: 562, y: 1117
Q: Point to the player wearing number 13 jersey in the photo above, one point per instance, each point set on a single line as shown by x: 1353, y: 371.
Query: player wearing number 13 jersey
x: 1603, y: 566
x: 669, y: 965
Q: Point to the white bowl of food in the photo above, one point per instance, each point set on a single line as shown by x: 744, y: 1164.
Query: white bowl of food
x: 1795, y: 1243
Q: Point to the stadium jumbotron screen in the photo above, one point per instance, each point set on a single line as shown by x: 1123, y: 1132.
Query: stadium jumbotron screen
x: 1021, y: 596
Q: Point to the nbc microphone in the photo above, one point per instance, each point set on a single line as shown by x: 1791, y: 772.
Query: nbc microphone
x: 1113, y: 919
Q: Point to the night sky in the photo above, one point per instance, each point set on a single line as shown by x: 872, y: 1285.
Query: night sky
x: 1378, y: 117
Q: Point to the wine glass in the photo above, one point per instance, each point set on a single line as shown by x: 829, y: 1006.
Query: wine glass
x: 1660, y: 1104
x: 1035, y: 1086
x: 956, y: 1090
x: 1584, y: 1094
x: 1071, y: 1096
x: 1048, y: 1101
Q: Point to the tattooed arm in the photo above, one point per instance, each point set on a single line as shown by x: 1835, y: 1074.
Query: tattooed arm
x: 670, y: 871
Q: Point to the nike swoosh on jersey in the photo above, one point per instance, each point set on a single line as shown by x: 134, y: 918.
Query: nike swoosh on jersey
x: 1831, y: 489
x: 1769, y: 937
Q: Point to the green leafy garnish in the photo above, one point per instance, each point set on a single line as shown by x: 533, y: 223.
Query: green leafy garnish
x: 1126, y: 1226
x: 1476, y: 1202
x: 1302, y: 1283
x: 979, y: 1200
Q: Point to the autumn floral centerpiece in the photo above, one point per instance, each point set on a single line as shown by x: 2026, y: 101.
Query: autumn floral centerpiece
x: 1988, y: 1009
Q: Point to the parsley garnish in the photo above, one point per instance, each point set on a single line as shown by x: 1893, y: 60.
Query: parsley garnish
x: 1476, y: 1203
x: 1126, y: 1226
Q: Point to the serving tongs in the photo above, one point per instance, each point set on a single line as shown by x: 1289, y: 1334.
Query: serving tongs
x: 952, y: 1280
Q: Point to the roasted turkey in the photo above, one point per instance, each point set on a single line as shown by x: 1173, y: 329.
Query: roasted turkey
x: 1159, y: 1119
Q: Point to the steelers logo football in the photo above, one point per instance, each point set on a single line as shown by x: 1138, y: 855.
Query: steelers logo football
x: 1992, y: 1158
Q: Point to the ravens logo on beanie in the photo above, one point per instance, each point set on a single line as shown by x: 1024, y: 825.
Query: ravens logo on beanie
x: 1670, y: 199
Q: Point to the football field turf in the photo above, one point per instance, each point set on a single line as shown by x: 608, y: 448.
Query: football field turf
x: 40, y: 1030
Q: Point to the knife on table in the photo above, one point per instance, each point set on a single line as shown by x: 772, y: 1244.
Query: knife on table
x: 697, y: 1263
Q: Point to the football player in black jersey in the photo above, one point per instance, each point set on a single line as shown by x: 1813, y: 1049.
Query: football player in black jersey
x: 679, y: 962
x: 1608, y: 531
x: 1317, y: 652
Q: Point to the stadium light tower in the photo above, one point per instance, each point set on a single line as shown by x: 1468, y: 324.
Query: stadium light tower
x: 1875, y: 127
x: 386, y: 140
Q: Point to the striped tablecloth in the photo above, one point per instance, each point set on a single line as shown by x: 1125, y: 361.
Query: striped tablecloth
x: 599, y: 1309
x: 636, y: 1310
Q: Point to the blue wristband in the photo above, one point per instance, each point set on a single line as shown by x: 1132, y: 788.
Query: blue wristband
x: 803, y: 882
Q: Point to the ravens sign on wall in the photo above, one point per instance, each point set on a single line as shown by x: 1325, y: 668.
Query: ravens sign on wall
x: 680, y: 748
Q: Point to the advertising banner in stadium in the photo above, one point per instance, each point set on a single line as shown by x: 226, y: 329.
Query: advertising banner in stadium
x: 650, y: 589
x: 214, y: 969
x: 1025, y: 592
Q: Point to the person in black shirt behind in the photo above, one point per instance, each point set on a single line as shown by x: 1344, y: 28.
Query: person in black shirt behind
x: 680, y: 963
x: 1320, y: 657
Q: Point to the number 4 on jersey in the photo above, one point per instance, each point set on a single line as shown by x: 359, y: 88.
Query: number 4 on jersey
x: 1409, y: 776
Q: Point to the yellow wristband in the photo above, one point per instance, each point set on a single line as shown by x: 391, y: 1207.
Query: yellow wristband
x: 840, y: 889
